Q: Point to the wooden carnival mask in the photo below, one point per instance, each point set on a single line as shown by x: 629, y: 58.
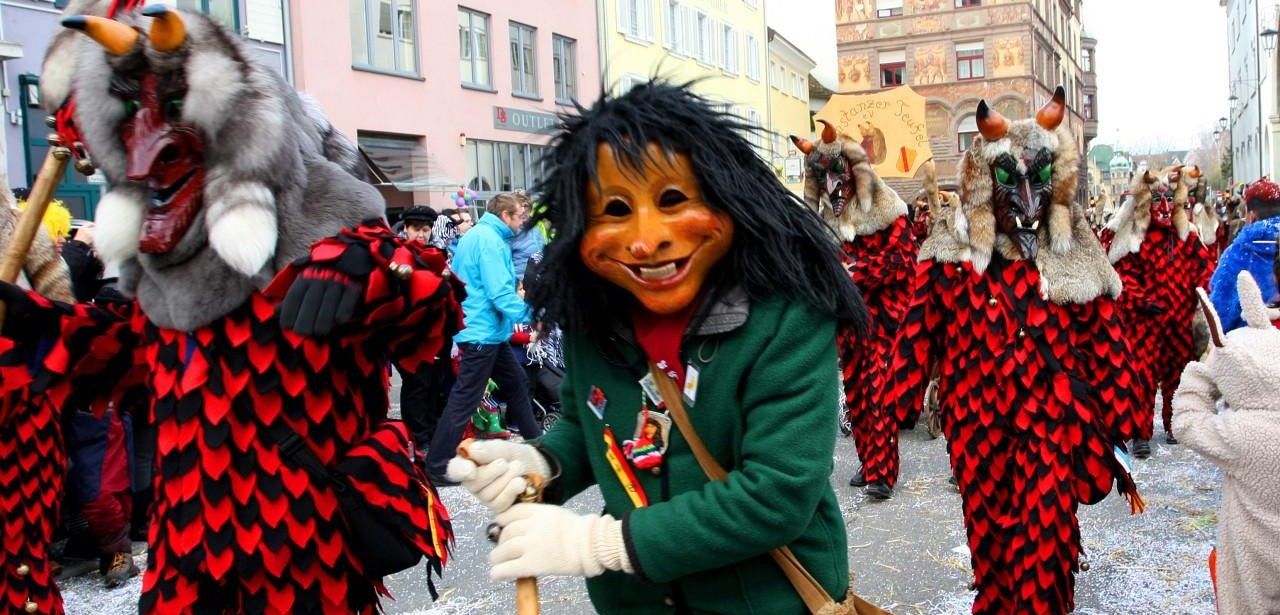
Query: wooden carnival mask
x: 649, y: 231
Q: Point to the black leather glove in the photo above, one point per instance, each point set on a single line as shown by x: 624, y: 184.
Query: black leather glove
x: 1152, y: 309
x: 326, y: 294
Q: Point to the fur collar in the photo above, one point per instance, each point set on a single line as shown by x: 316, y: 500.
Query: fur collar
x: 1131, y: 221
x: 1072, y: 265
x: 875, y: 205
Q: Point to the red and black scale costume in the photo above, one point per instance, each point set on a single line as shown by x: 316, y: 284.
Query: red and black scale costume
x: 1158, y: 305
x: 33, y: 465
x: 882, y: 265
x: 33, y: 458
x: 235, y: 528
x: 1036, y: 395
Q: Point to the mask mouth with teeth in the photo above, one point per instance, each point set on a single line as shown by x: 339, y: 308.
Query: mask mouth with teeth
x: 830, y: 169
x: 1162, y: 206
x: 166, y: 155
x: 1022, y: 192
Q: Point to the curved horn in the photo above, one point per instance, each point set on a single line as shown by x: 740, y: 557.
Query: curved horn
x: 991, y: 124
x: 1194, y: 172
x: 117, y: 38
x: 1050, y: 116
x: 168, y: 31
x: 1147, y: 177
x: 828, y: 132
x: 802, y: 144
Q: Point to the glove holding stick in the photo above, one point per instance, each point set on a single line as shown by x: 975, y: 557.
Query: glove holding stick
x: 526, y: 587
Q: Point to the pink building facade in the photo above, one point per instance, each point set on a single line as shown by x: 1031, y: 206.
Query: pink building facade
x: 442, y: 96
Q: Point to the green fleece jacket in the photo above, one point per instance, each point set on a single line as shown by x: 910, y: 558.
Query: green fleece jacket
x: 766, y: 408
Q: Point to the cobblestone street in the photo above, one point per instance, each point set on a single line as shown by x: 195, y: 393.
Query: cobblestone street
x: 907, y: 554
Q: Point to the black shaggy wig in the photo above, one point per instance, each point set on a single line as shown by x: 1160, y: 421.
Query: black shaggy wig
x: 780, y: 247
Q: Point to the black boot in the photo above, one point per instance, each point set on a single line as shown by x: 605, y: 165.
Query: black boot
x: 1169, y: 439
x: 1141, y: 449
x: 859, y: 479
x: 879, y: 490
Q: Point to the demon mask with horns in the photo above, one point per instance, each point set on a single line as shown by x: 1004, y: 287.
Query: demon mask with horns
x: 1017, y: 189
x: 214, y: 188
x: 843, y: 188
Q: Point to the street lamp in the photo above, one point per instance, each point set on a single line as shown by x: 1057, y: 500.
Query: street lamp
x: 1268, y: 37
x: 1222, y: 123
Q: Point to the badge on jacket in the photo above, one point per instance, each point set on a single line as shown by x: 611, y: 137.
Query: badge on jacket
x: 597, y: 402
x: 646, y: 448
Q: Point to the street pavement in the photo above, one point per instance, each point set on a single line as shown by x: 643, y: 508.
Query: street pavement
x: 907, y: 554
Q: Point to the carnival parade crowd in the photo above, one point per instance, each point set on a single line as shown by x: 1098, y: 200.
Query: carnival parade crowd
x: 207, y: 367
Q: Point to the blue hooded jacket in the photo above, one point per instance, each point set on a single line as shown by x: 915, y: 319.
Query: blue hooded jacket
x: 483, y: 262
x: 1253, y: 250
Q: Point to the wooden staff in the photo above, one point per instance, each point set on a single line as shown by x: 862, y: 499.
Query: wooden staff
x: 15, y: 254
x: 527, y: 602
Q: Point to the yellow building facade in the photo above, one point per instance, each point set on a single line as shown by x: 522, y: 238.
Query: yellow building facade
x: 788, y: 81
x: 721, y: 42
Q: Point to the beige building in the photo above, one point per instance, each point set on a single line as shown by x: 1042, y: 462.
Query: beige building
x: 788, y: 77
x: 1012, y: 53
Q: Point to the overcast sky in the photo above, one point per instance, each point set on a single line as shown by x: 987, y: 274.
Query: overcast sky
x: 1162, y: 64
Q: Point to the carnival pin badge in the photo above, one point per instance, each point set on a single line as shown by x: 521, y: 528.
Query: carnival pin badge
x: 645, y: 449
x: 597, y: 402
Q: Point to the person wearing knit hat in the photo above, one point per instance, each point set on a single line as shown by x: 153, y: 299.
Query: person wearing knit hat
x: 1252, y: 250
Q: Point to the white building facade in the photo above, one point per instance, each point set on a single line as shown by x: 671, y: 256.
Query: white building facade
x: 1254, y: 120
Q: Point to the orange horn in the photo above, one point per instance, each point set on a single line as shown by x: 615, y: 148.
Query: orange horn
x: 1194, y: 172
x: 168, y: 31
x: 802, y: 144
x: 828, y: 132
x: 117, y: 38
x: 991, y: 124
x: 1050, y: 116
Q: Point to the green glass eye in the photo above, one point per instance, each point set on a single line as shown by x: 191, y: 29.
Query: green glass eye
x: 1046, y: 172
x: 1003, y: 176
x: 131, y: 107
x: 174, y: 107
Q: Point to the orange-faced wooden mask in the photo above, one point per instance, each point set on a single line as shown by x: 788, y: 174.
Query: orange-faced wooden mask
x: 649, y: 231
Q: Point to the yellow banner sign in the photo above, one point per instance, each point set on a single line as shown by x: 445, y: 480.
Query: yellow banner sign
x: 890, y: 125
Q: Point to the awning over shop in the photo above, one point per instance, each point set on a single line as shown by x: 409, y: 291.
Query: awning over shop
x: 403, y: 164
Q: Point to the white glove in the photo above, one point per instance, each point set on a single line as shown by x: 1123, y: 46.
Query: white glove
x: 542, y: 539
x: 495, y: 471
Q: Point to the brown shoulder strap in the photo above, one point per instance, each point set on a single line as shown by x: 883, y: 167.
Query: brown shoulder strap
x: 811, y: 591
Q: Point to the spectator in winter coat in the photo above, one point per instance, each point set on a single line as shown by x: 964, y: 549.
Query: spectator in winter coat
x: 1244, y: 439
x: 1253, y: 250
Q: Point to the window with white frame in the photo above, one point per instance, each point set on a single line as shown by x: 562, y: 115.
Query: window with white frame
x: 629, y: 81
x: 524, y: 65
x: 888, y: 8
x: 756, y: 136
x: 966, y: 132
x: 635, y: 19
x: 797, y: 85
x: 473, y: 48
x: 751, y: 3
x: 384, y: 35
x: 222, y: 11
x: 564, y: 58
x: 970, y: 63
x: 672, y: 26
x: 705, y: 46
x: 753, y: 58
x: 729, y: 49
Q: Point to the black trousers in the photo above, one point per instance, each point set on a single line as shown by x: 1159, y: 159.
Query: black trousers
x: 480, y: 363
x: 423, y: 396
